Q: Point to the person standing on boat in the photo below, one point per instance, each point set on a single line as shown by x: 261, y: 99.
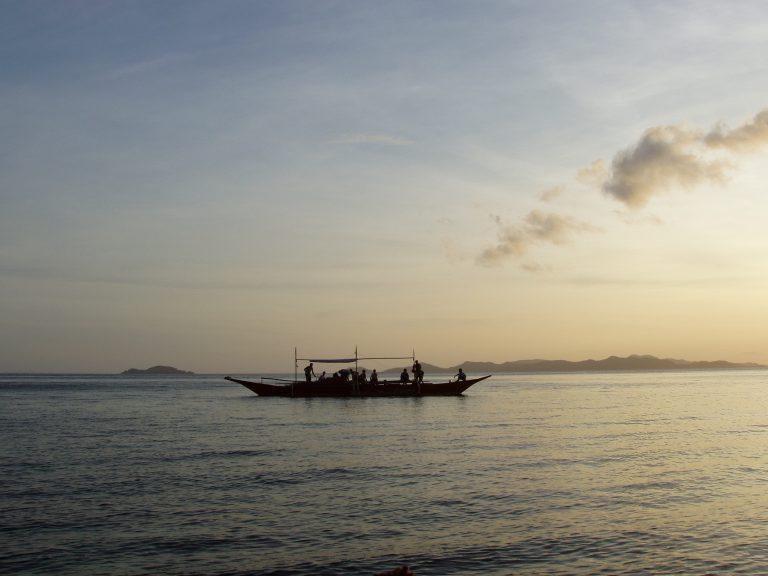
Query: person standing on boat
x: 461, y: 375
x: 374, y: 377
x: 309, y: 372
x: 418, y: 373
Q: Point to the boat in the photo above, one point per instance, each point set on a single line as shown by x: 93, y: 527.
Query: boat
x: 345, y: 383
x: 336, y: 388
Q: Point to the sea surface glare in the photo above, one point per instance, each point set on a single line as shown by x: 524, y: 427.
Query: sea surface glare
x: 630, y: 473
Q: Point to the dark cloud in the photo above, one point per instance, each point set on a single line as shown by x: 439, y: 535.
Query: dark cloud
x: 668, y: 157
x: 665, y: 157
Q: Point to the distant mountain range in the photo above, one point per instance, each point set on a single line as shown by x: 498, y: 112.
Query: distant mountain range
x: 615, y: 363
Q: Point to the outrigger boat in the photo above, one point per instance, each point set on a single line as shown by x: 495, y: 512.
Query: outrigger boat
x: 340, y: 386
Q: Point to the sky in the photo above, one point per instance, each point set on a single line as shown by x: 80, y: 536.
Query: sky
x: 212, y: 185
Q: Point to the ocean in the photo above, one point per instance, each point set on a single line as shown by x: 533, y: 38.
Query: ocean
x: 590, y: 473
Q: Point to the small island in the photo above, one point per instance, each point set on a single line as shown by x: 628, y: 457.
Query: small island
x: 157, y: 370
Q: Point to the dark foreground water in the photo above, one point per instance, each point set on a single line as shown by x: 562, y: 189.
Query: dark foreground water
x: 648, y: 473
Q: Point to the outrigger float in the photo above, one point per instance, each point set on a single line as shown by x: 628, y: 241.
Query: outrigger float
x: 350, y: 385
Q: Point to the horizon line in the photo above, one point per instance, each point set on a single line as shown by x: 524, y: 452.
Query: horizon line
x: 747, y: 364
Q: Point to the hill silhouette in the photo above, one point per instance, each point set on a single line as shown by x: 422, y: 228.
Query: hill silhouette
x: 612, y: 363
x: 156, y: 370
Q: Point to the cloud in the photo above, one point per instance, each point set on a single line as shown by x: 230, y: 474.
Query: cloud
x: 742, y: 139
x: 535, y: 268
x: 157, y: 64
x: 363, y: 138
x: 664, y: 158
x: 667, y: 157
x: 515, y: 240
x: 551, y: 193
x: 593, y: 175
x: 553, y: 227
x: 634, y: 219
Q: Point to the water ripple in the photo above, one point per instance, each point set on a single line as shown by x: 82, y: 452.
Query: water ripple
x: 531, y: 474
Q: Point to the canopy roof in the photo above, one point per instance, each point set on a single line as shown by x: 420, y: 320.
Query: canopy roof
x: 353, y: 359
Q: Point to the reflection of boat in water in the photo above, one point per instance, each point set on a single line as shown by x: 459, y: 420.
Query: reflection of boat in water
x: 347, y: 383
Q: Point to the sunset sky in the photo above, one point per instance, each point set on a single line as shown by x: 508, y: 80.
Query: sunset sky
x: 211, y: 184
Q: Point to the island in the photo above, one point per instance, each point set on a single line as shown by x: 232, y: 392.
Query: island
x: 157, y: 370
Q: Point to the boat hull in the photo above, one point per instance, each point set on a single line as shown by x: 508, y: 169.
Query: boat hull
x: 336, y: 389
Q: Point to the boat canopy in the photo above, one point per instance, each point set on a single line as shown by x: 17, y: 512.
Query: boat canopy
x: 352, y: 360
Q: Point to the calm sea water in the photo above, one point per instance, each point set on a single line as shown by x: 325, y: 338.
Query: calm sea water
x: 643, y: 473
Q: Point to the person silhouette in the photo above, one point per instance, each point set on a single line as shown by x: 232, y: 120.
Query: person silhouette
x: 309, y: 372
